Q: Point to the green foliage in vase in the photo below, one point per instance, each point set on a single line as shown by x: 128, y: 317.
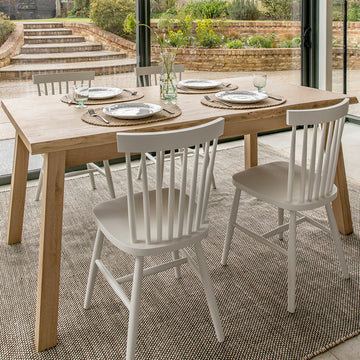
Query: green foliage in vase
x: 6, y: 27
x: 243, y: 10
x: 111, y: 14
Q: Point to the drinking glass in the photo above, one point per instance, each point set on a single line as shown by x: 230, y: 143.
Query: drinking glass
x: 81, y: 95
x: 259, y: 81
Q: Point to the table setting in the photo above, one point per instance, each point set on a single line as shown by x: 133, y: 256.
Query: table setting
x: 123, y: 111
x: 203, y: 86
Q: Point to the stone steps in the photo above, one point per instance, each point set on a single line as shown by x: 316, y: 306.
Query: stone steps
x: 42, y: 25
x: 47, y: 32
x: 59, y: 48
x: 26, y: 71
x: 57, y: 39
x: 67, y: 57
x: 48, y: 48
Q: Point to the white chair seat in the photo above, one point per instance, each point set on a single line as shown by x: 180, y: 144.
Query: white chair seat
x: 268, y: 182
x: 112, y: 218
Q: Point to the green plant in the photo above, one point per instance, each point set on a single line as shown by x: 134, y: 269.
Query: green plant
x: 206, y: 9
x: 6, y: 28
x: 160, y: 6
x: 235, y: 44
x: 111, y: 14
x: 354, y: 11
x: 167, y: 21
x: 282, y: 9
x: 260, y: 41
x: 205, y: 34
x: 243, y: 10
x: 79, y: 12
x: 291, y: 43
x: 82, y: 3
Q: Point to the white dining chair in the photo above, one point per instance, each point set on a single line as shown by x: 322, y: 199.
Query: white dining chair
x: 150, y: 76
x: 60, y: 83
x: 166, y: 217
x: 296, y: 187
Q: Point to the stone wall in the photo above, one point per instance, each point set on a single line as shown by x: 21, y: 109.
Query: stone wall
x: 28, y: 9
x: 12, y: 45
x: 109, y: 40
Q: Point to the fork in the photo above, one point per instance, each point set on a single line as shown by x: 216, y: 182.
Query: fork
x: 93, y: 114
x: 218, y: 101
x: 131, y: 92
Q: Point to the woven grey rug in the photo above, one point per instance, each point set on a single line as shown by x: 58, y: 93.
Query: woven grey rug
x: 175, y: 323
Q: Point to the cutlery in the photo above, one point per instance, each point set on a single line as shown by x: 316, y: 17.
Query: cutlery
x: 131, y: 92
x: 274, y: 97
x: 226, y: 85
x: 182, y: 89
x: 218, y: 101
x: 68, y: 99
x: 168, y: 111
x: 92, y: 113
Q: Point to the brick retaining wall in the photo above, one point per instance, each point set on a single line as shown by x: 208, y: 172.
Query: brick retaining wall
x: 12, y: 45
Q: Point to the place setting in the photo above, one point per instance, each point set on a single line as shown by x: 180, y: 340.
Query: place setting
x: 131, y: 113
x: 244, y: 99
x: 100, y: 95
x: 203, y: 86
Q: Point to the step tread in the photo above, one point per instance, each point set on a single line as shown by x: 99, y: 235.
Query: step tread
x: 66, y: 55
x: 67, y: 66
x: 39, y: 37
x: 85, y: 43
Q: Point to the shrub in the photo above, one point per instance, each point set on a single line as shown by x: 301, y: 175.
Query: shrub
x: 160, y: 6
x: 260, y: 41
x: 166, y: 21
x: 282, y: 9
x: 243, y: 10
x: 79, y: 12
x: 6, y: 28
x: 206, y: 9
x: 111, y: 14
x: 354, y: 11
x: 235, y: 44
x: 291, y: 43
x: 205, y: 34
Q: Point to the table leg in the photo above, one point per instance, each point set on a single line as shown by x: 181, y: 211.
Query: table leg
x: 18, y: 192
x: 50, y: 251
x: 341, y: 204
x: 251, y: 150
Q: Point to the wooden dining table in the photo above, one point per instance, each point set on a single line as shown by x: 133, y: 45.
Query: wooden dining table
x: 45, y: 125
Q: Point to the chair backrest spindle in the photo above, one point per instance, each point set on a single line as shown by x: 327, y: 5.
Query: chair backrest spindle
x: 175, y: 206
x: 317, y: 170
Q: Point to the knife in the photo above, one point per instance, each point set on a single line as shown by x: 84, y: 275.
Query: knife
x: 274, y: 97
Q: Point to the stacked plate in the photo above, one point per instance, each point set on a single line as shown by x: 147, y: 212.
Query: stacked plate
x: 241, y: 97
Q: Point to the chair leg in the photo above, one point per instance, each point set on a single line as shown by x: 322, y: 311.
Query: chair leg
x: 231, y: 226
x: 209, y: 292
x: 292, y: 262
x: 337, y: 241
x: 109, y: 178
x: 92, y: 179
x: 281, y: 221
x: 213, y: 181
x: 175, y: 256
x: 39, y: 185
x: 134, y: 308
x: 93, y: 267
x: 139, y: 171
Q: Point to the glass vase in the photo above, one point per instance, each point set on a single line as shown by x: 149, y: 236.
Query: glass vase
x: 168, y: 81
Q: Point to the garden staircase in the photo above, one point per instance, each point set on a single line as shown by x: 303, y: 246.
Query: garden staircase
x: 49, y: 47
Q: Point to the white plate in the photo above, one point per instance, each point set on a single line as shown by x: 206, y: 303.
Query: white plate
x: 103, y: 92
x: 199, y: 84
x: 241, y: 97
x: 132, y: 110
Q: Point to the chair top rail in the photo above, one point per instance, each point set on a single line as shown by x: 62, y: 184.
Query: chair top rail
x: 317, y: 116
x: 68, y: 76
x: 167, y: 140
